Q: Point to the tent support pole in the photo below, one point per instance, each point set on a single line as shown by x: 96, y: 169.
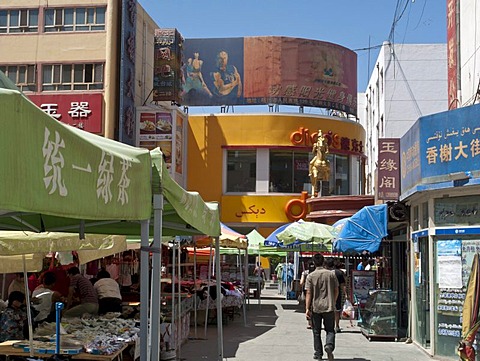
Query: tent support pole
x: 218, y: 278
x: 179, y: 325
x: 27, y: 302
x: 144, y: 291
x: 156, y: 276
x: 195, y: 286
x: 242, y: 282
x: 208, y: 290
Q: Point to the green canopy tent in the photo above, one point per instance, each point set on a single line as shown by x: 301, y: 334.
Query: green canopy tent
x: 59, y: 178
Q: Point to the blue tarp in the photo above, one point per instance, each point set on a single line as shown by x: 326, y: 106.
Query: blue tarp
x: 362, y: 232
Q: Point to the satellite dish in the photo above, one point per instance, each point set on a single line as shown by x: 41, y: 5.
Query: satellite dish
x: 398, y: 212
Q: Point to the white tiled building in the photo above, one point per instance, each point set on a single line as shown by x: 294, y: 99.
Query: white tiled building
x: 408, y: 81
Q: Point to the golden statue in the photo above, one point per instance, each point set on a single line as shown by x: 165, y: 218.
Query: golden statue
x: 319, y: 168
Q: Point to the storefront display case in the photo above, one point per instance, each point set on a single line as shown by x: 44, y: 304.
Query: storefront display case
x: 379, y: 316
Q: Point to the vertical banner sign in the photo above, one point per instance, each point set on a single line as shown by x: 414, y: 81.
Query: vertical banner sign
x: 388, y: 168
x: 452, y: 56
x: 167, y: 76
x: 127, y: 73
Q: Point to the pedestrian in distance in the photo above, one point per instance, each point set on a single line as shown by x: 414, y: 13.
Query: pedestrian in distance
x: 322, y: 292
x: 335, y: 266
x: 303, y: 280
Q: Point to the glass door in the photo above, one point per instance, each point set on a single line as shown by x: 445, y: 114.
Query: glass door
x: 422, y: 334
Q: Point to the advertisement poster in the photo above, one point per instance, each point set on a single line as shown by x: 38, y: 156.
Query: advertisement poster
x: 179, y: 145
x: 449, y: 263
x: 269, y: 70
x: 155, y: 126
x: 362, y: 283
x: 155, y: 130
x: 449, y: 271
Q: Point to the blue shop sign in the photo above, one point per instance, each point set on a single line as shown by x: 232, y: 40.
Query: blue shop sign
x: 457, y: 231
x: 440, y: 145
x: 450, y: 142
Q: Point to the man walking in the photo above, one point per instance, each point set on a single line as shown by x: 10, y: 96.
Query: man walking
x: 322, y: 292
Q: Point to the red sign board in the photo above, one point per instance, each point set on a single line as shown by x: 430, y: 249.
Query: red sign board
x: 81, y: 110
x: 388, y: 168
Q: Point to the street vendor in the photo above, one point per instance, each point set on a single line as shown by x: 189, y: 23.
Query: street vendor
x: 82, y: 287
x: 108, y: 291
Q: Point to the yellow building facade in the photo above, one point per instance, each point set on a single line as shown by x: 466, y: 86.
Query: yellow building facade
x: 253, y: 165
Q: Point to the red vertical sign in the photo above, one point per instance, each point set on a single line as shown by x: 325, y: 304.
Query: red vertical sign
x: 388, y: 169
x: 452, y: 50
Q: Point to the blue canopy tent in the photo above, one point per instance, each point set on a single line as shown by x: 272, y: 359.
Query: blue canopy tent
x: 363, y: 231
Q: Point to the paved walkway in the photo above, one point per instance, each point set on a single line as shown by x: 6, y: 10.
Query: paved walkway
x: 276, y: 331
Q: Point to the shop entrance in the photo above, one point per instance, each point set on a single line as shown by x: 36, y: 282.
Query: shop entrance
x: 422, y: 277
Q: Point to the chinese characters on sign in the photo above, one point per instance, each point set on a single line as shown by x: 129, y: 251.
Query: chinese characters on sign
x: 452, y: 149
x: 54, y: 163
x: 81, y: 111
x: 388, y: 168
x: 167, y: 75
x: 335, y: 141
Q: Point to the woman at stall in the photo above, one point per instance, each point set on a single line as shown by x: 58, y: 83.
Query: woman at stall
x: 108, y: 291
x: 14, y: 318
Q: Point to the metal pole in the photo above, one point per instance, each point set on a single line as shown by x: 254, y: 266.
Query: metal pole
x: 156, y: 276
x: 180, y: 315
x: 242, y: 282
x: 218, y: 277
x: 208, y: 289
x: 144, y: 292
x: 27, y: 302
x: 174, y: 263
x: 195, y: 285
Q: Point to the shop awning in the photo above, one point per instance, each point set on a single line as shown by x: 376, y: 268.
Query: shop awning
x: 228, y: 239
x: 362, y: 232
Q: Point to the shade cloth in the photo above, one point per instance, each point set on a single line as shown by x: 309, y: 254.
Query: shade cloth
x: 35, y: 246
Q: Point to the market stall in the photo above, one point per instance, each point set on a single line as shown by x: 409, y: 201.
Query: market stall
x: 69, y: 170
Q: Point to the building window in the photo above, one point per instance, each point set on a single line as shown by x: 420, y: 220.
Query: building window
x: 241, y: 170
x: 288, y: 171
x: 19, y: 21
x: 72, y: 77
x: 339, y: 179
x: 22, y: 75
x: 75, y: 19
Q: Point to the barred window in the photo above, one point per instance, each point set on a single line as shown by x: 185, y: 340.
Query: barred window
x: 19, y: 21
x: 22, y: 75
x: 75, y: 19
x: 72, y: 77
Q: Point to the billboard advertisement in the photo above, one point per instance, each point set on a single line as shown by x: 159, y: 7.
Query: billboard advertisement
x: 269, y: 70
x: 440, y: 144
x: 167, y: 73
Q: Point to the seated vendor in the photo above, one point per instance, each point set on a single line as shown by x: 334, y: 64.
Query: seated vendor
x: 108, y: 291
x: 13, y: 319
x: 44, y: 299
x: 84, y: 289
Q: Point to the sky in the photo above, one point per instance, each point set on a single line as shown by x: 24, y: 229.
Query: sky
x: 359, y: 25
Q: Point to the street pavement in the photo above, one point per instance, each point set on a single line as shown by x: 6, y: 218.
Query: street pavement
x: 275, y: 330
